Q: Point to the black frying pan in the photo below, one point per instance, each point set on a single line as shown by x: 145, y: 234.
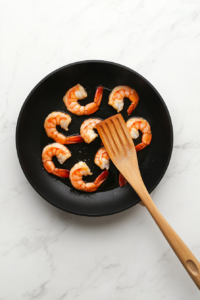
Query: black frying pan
x: 31, y: 137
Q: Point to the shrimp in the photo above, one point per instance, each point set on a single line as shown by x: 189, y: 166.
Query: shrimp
x: 102, y: 159
x: 59, y: 118
x: 77, y: 93
x: 135, y: 124
x: 81, y: 169
x: 61, y: 152
x: 87, y: 130
x: 116, y: 98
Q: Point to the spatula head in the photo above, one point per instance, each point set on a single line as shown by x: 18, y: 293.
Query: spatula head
x: 119, y: 144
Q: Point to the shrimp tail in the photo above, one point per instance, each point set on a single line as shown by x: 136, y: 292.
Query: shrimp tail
x: 101, y: 178
x: 122, y: 180
x: 62, y: 173
x: 98, y: 95
x: 146, y: 140
x: 134, y: 98
x: 94, y: 106
x: 140, y: 147
x: 131, y: 108
x: 74, y: 139
x: 50, y: 168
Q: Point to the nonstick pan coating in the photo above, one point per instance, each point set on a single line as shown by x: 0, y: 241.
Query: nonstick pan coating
x: 47, y: 97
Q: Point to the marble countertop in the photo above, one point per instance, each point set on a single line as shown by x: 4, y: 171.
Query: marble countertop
x: 48, y: 254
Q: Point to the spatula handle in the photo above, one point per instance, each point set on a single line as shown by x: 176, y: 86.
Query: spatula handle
x: 188, y: 260
x: 119, y: 144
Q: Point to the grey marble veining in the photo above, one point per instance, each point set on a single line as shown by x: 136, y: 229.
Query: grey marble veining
x: 49, y: 254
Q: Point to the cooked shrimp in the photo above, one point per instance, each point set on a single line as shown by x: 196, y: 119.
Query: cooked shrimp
x: 87, y: 130
x: 61, y: 152
x: 116, y: 98
x: 102, y: 159
x: 77, y: 93
x: 135, y: 124
x: 59, y: 118
x: 81, y: 169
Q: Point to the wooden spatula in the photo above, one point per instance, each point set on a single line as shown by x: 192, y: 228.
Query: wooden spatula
x: 119, y: 144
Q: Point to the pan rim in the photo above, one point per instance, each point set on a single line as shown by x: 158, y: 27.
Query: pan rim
x: 85, y: 62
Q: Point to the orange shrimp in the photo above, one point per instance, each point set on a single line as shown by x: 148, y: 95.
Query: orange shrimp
x: 81, y: 169
x: 87, y: 130
x: 102, y: 159
x: 61, y: 152
x: 59, y: 118
x: 135, y: 124
x: 116, y: 98
x: 77, y: 93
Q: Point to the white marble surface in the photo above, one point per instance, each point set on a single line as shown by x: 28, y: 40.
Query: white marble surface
x: 49, y: 254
